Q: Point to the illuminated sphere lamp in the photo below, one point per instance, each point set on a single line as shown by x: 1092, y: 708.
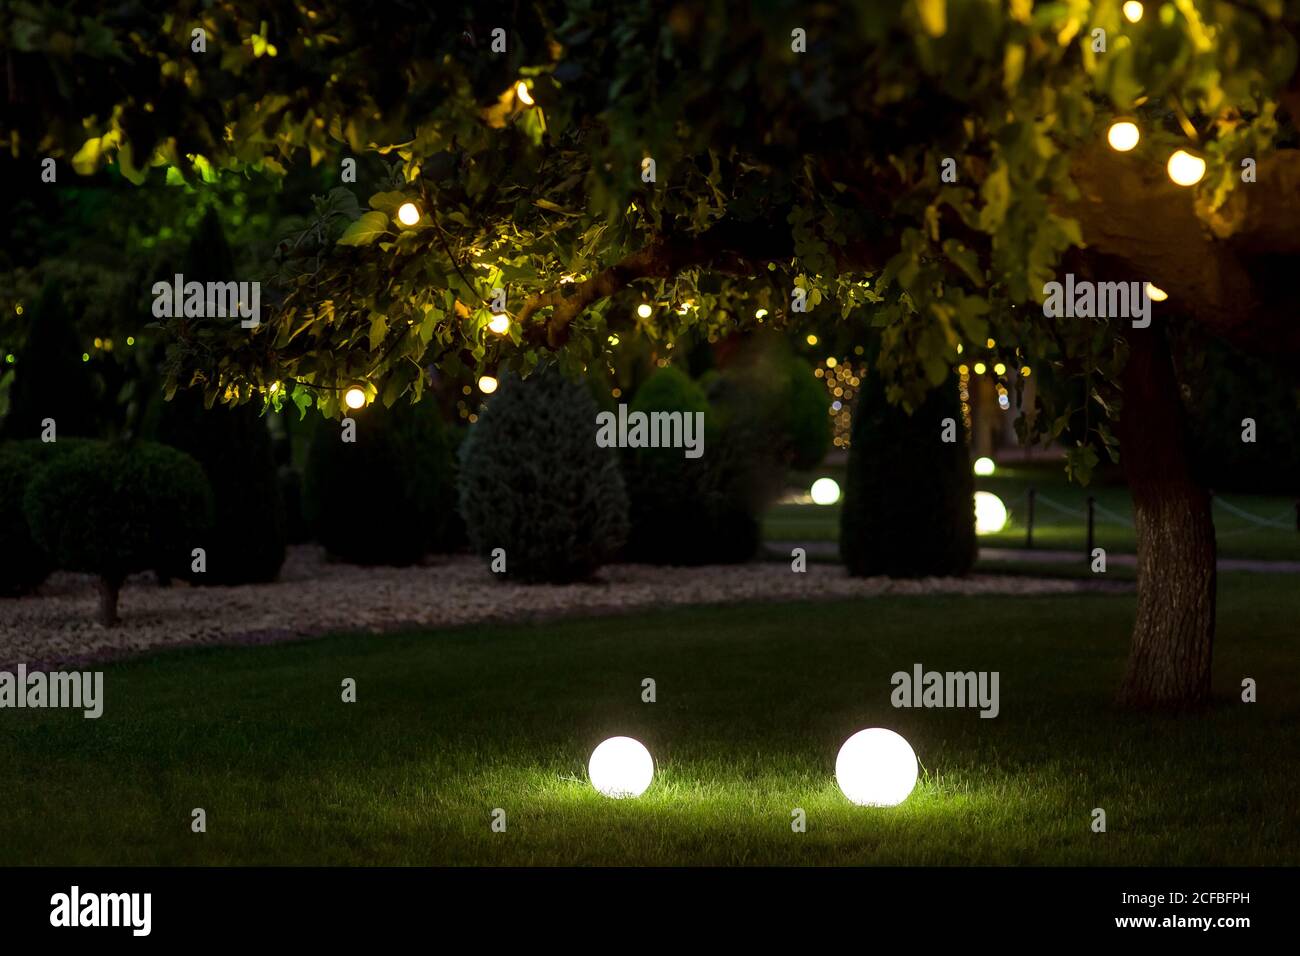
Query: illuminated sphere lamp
x: 487, y: 384
x: 876, y: 768
x: 1132, y: 11
x: 621, y: 767
x: 500, y: 323
x: 355, y: 397
x: 990, y: 513
x: 408, y: 214
x: 985, y: 467
x: 825, y: 491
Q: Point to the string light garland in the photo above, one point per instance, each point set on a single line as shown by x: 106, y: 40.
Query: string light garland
x: 1123, y: 135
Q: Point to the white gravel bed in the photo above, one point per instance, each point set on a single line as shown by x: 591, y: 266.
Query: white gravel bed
x: 315, y: 596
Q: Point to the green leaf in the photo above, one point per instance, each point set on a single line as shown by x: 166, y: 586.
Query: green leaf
x: 934, y: 16
x: 378, y: 330
x: 365, y: 230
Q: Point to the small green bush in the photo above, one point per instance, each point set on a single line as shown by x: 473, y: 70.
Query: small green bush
x: 23, y: 563
x: 687, y: 511
x: 808, y: 420
x: 534, y: 483
x: 112, y: 511
x: 909, y: 496
x: 390, y: 496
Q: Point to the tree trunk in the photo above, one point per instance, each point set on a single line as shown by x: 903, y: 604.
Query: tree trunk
x: 109, y: 588
x: 1173, y: 636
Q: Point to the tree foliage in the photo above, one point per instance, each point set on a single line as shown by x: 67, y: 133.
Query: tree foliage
x: 774, y: 169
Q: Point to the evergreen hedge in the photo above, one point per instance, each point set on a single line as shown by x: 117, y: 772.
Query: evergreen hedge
x: 534, y: 483
x: 909, y: 496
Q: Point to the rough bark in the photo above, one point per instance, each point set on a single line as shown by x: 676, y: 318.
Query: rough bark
x: 1173, y: 634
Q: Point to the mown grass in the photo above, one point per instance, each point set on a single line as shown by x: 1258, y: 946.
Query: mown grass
x: 753, y: 703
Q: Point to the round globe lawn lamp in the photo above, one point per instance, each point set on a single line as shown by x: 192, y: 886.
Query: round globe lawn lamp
x: 990, y: 513
x: 621, y: 767
x: 825, y: 491
x: 876, y: 768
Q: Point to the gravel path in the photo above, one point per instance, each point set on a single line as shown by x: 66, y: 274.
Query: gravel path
x: 315, y: 597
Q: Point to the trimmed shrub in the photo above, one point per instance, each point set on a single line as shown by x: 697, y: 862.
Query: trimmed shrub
x: 534, y: 482
x: 808, y: 420
x: 687, y: 511
x: 50, y: 380
x: 246, y: 544
x: 387, y: 498
x: 23, y: 563
x: 908, y: 497
x: 112, y: 511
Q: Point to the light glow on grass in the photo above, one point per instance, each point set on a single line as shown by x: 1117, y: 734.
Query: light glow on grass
x: 876, y: 768
x: 621, y: 767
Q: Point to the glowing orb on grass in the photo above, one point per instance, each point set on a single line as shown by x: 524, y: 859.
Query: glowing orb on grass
x: 876, y: 768
x: 990, y: 513
x: 985, y: 466
x: 825, y: 491
x: 621, y: 767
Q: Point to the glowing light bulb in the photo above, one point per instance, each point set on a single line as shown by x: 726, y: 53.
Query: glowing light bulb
x: 759, y: 313
x: 1133, y: 11
x: 812, y: 340
x: 408, y: 214
x: 1123, y: 135
x: 999, y: 369
x: 521, y: 91
x: 985, y: 466
x: 355, y: 397
x: 644, y: 310
x: 1155, y: 293
x: 621, y: 767
x: 487, y: 384
x: 500, y: 323
x: 876, y: 768
x: 1186, y: 169
x: 980, y: 368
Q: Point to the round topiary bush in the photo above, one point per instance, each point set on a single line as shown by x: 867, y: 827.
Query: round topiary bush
x: 808, y: 420
x: 534, y: 483
x: 389, y: 497
x: 688, y: 511
x: 908, y: 497
x: 23, y: 563
x: 246, y: 544
x: 112, y: 511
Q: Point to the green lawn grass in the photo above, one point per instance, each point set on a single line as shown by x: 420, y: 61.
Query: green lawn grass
x: 753, y: 703
x: 1059, y: 530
